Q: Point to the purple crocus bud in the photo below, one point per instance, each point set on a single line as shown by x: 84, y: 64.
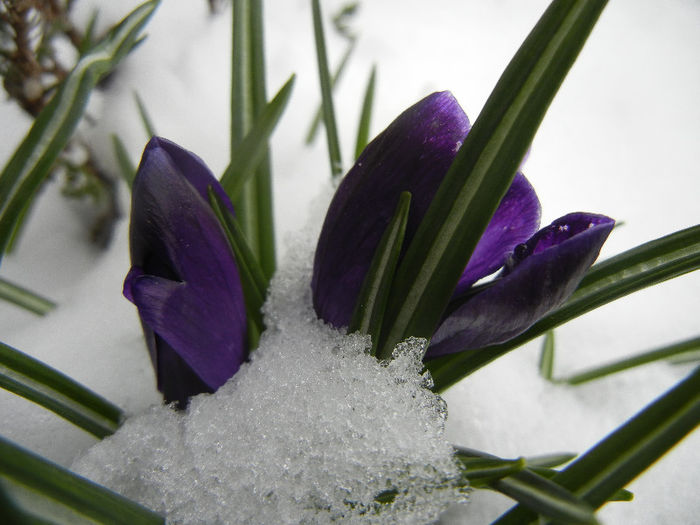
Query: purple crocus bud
x: 538, y: 277
x: 183, y: 277
x: 413, y: 154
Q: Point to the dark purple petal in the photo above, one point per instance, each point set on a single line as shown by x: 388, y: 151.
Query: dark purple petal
x: 540, y: 276
x: 412, y: 154
x: 515, y: 220
x: 184, y: 279
x: 192, y: 168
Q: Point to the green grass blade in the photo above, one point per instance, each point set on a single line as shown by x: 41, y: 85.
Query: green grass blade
x: 326, y: 93
x: 248, y: 103
x: 533, y: 490
x: 683, y: 359
x: 620, y: 495
x: 241, y: 97
x: 253, y: 280
x: 250, y: 152
x: 630, y: 449
x: 371, y: 302
x: 146, y: 120
x: 25, y: 298
x: 547, y: 356
x: 550, y: 460
x: 89, y: 33
x: 263, y: 193
x: 366, y: 114
x: 648, y: 264
x: 482, y: 471
x: 542, y: 496
x: 242, y: 113
x: 33, y: 380
x: 483, y: 170
x: 665, y: 352
x: 20, y: 223
x: 50, y: 481
x: 335, y: 78
x: 127, y: 169
x: 31, y: 162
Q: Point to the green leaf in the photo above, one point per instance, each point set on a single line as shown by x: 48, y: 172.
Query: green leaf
x: 49, y: 481
x: 482, y: 471
x: 126, y: 167
x: 20, y: 224
x: 620, y: 495
x: 53, y: 127
x: 542, y: 496
x: 665, y: 352
x: 248, y: 102
x: 366, y: 114
x: 371, y: 301
x: 483, y: 170
x: 89, y: 34
x: 33, y: 380
x: 683, y: 359
x: 25, y: 298
x: 534, y: 491
x: 248, y: 155
x: 634, y: 446
x: 326, y: 93
x: 335, y: 78
x: 651, y: 263
x: 547, y: 356
x: 253, y: 280
x: 550, y: 460
x: 145, y: 118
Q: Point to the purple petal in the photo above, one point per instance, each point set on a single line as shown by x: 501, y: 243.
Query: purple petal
x: 515, y: 220
x: 412, y: 154
x: 192, y: 168
x: 181, y: 315
x: 184, y: 278
x: 540, y: 276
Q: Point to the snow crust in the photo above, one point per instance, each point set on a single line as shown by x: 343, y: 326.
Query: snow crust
x: 312, y: 430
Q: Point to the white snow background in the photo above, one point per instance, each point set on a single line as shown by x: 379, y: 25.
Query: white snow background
x: 621, y: 138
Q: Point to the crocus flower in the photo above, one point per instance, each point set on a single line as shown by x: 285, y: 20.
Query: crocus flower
x: 183, y: 277
x: 540, y: 269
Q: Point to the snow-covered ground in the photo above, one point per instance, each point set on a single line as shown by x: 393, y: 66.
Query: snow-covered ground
x: 620, y: 139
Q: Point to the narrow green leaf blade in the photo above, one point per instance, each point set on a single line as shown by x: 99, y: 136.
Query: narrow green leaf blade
x: 253, y: 280
x: 615, y: 461
x: 241, y: 97
x: 254, y: 207
x: 371, y: 302
x: 550, y: 460
x: 31, y: 162
x: 482, y: 471
x: 648, y: 264
x: 263, y: 192
x: 483, y: 170
x: 542, y: 496
x: 665, y: 352
x: 535, y: 491
x: 25, y: 298
x: 547, y: 356
x: 48, y: 480
x: 247, y: 157
x: 126, y: 167
x: 366, y: 114
x: 337, y: 74
x: 146, y: 120
x: 33, y: 380
x: 326, y: 93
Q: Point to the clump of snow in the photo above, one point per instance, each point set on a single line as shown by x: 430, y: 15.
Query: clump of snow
x: 312, y: 430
